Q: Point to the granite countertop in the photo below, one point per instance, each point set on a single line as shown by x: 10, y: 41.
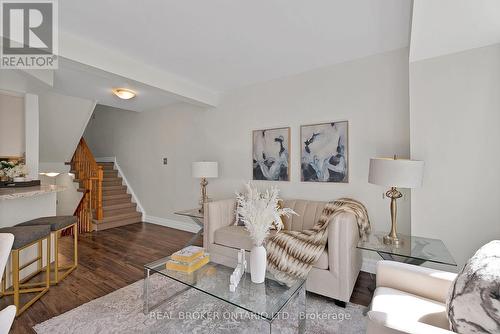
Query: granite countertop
x: 13, y: 193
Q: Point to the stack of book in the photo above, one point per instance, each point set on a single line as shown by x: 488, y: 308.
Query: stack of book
x: 188, y: 259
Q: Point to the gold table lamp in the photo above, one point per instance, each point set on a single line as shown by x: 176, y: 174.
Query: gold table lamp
x: 395, y: 173
x: 204, y: 170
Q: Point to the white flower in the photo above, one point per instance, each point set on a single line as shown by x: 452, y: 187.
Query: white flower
x: 259, y: 211
x: 12, y: 170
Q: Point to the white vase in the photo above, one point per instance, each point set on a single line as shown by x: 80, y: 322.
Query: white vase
x: 258, y: 264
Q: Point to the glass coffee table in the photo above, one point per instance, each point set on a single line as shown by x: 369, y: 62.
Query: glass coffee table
x: 264, y: 301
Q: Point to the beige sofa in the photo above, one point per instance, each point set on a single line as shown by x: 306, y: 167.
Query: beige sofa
x: 333, y: 275
x: 409, y: 299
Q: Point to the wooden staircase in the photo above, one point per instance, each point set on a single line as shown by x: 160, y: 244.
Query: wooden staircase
x: 118, y: 208
x: 105, y: 202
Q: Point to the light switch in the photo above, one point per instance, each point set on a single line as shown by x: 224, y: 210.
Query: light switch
x: 165, y: 161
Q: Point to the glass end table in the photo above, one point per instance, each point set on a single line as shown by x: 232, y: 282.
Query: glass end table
x: 265, y: 300
x: 412, y: 250
x: 195, y: 216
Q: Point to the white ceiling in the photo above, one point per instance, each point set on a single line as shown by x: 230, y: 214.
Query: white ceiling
x: 76, y: 79
x: 224, y: 44
x: 448, y: 26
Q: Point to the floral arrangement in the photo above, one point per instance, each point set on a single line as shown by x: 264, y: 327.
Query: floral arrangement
x: 259, y: 211
x: 12, y: 169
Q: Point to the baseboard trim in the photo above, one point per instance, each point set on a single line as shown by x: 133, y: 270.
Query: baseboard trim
x: 178, y: 225
x: 369, y: 265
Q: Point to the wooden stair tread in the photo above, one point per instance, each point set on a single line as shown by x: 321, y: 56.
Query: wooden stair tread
x: 99, y: 225
x: 111, y: 178
x: 107, y: 167
x: 121, y: 216
x: 117, y: 212
x: 117, y: 206
x: 116, y: 196
x: 106, y: 187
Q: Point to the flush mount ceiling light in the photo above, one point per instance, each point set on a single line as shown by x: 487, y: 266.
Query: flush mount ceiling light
x: 124, y: 93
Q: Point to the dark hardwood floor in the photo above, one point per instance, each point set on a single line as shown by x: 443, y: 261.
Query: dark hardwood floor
x: 112, y: 259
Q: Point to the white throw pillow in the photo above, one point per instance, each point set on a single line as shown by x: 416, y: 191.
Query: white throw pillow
x: 473, y: 305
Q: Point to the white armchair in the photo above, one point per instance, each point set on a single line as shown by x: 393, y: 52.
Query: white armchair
x: 7, y: 314
x: 409, y: 299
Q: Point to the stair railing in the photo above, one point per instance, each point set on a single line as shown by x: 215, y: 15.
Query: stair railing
x: 84, y: 214
x: 90, y: 175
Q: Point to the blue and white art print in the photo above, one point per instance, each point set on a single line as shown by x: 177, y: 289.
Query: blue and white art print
x: 324, y: 152
x: 271, y: 154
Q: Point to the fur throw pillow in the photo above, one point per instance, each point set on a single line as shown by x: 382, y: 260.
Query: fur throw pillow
x: 474, y: 302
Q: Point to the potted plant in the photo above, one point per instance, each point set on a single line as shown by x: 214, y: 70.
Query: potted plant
x: 259, y: 211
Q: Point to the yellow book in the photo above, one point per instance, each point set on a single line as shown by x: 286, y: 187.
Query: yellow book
x: 188, y: 267
x: 188, y: 254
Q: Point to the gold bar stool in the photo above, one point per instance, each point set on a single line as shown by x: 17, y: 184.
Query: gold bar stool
x: 57, y: 225
x: 24, y: 237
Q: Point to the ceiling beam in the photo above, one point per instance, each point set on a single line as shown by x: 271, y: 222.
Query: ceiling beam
x: 98, y: 56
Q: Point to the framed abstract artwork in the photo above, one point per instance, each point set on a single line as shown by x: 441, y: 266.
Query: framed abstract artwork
x: 325, y: 152
x: 271, y: 154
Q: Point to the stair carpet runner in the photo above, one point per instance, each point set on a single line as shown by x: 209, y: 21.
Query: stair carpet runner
x: 118, y: 208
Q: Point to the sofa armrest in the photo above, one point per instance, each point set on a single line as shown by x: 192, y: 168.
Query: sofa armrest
x: 344, y: 259
x: 425, y: 282
x: 216, y: 215
x: 382, y: 323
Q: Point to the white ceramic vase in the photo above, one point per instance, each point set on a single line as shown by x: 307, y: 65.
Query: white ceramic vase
x: 258, y: 264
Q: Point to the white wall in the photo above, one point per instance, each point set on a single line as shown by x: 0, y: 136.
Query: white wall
x: 450, y: 26
x: 139, y: 141
x: 67, y: 200
x: 62, y: 122
x: 31, y: 126
x: 371, y: 93
x: 455, y: 121
x: 11, y: 125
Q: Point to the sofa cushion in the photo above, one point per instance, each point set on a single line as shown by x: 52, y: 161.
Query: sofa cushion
x: 56, y: 222
x: 408, y: 307
x: 235, y: 237
x: 308, y: 213
x: 24, y: 235
x: 238, y: 237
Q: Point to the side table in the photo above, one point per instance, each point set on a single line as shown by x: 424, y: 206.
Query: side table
x: 195, y: 216
x: 412, y: 250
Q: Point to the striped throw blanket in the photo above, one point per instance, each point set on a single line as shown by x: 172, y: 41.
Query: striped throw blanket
x: 291, y: 254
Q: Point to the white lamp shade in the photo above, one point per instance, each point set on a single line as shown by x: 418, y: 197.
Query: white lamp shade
x: 400, y: 173
x: 206, y: 169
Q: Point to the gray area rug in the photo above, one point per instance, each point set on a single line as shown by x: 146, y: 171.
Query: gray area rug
x: 195, y: 312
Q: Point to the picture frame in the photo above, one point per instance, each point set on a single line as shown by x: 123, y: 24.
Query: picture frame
x: 271, y: 154
x: 324, y: 155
